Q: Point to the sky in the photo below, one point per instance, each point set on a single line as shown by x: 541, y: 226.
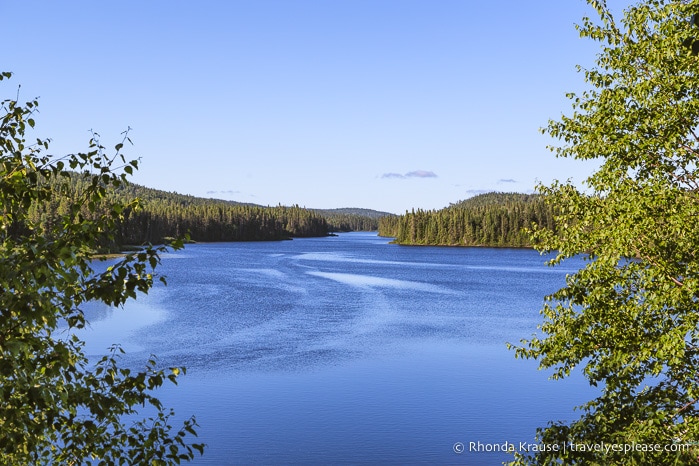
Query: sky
x: 380, y: 104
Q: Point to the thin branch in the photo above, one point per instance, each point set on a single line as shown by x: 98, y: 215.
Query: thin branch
x: 685, y: 407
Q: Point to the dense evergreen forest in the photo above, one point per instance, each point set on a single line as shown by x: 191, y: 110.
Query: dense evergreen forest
x: 163, y: 215
x: 352, y: 219
x: 492, y: 219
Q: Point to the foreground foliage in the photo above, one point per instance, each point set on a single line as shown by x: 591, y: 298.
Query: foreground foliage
x: 56, y: 407
x: 628, y: 320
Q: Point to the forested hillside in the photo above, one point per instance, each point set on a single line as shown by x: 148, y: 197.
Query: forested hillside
x: 163, y: 214
x: 352, y: 219
x: 170, y: 214
x: 492, y: 219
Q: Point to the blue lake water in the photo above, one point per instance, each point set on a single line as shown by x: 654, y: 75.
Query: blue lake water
x: 347, y: 350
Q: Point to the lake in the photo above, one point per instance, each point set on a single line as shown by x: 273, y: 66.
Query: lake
x: 347, y: 349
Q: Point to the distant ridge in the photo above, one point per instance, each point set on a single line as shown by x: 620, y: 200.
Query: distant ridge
x: 353, y: 211
x: 339, y: 219
x: 352, y: 218
x: 161, y: 215
x: 148, y: 192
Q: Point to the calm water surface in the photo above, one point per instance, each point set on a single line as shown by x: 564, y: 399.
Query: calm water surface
x: 347, y: 349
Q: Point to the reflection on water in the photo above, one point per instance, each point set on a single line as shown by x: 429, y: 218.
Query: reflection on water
x: 107, y: 326
x: 348, y: 349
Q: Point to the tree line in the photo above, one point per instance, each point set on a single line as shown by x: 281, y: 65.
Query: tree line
x: 492, y: 219
x: 159, y: 215
x: 352, y: 219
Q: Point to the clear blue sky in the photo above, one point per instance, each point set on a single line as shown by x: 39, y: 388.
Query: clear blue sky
x: 382, y: 104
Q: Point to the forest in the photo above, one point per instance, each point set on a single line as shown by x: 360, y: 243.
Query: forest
x: 352, y: 219
x: 492, y: 219
x: 160, y: 215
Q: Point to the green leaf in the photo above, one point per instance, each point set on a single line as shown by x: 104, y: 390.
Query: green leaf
x: 57, y: 406
x: 628, y: 319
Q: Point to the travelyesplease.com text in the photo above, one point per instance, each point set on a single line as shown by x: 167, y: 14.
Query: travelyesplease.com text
x: 525, y: 447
